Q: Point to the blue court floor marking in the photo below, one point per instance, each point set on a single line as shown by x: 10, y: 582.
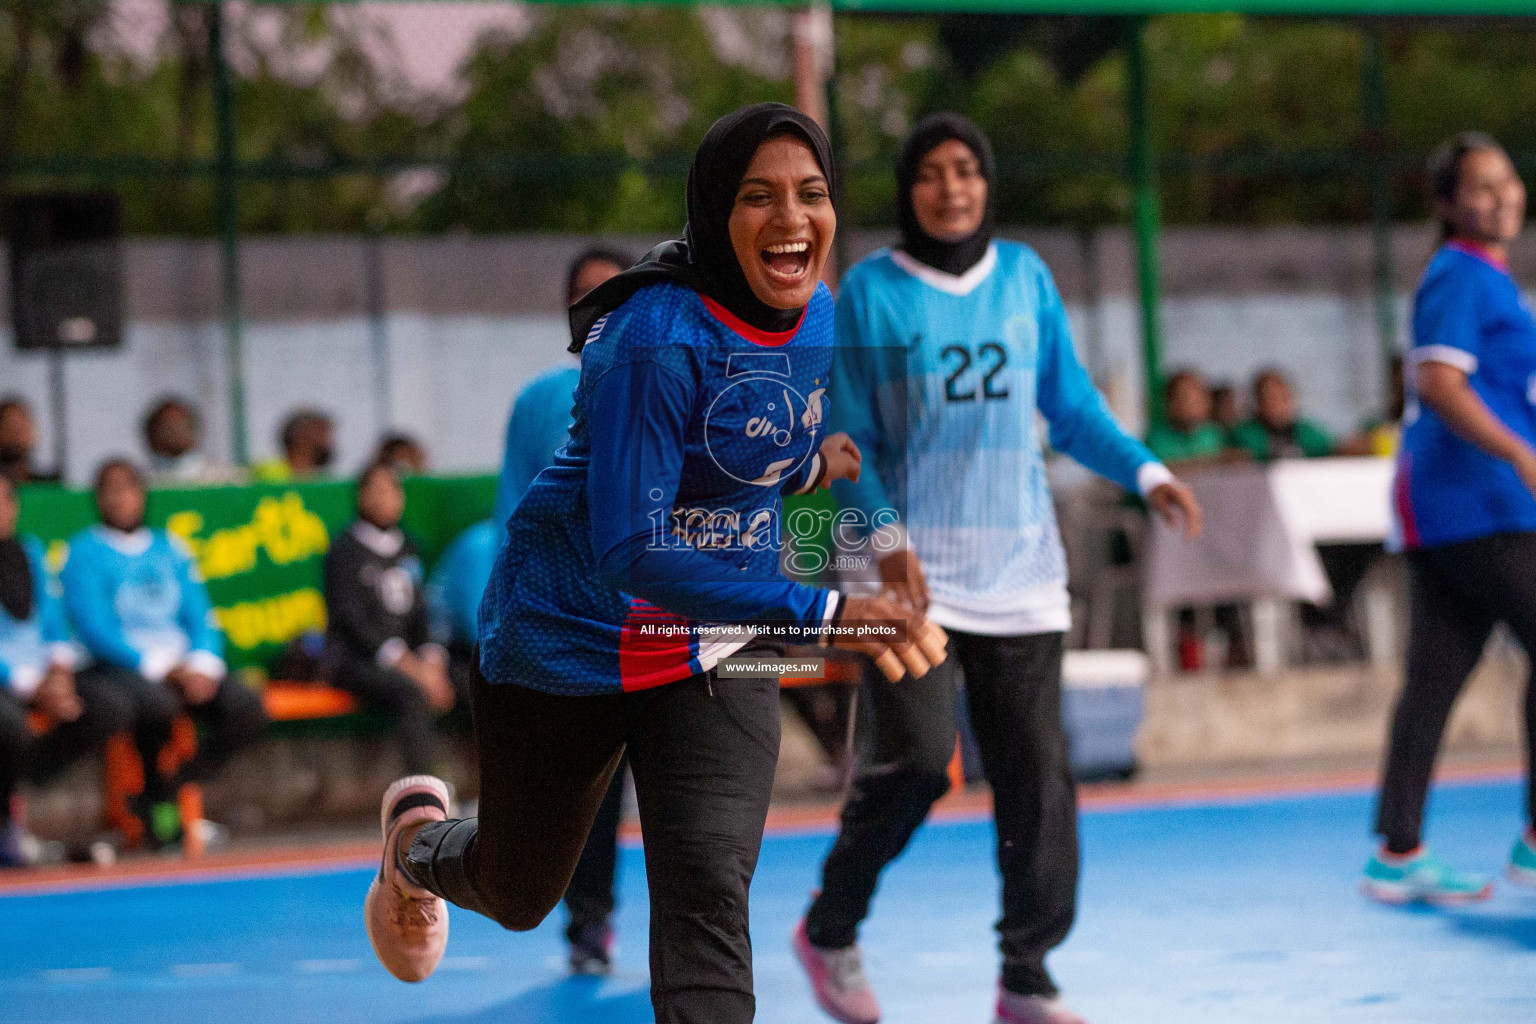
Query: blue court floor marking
x: 1240, y: 911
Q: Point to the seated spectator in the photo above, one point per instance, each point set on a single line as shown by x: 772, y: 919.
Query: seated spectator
x: 140, y: 608
x: 308, y: 438
x: 18, y: 444
x: 37, y: 674
x: 1187, y: 437
x: 379, y: 643
x: 172, y: 429
x: 1224, y: 408
x: 1275, y: 431
x: 402, y: 453
x: 457, y: 584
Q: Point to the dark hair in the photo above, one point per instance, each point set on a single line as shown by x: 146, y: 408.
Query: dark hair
x: 1181, y: 374
x: 1269, y: 373
x: 297, y: 421
x: 163, y: 407
x: 1444, y: 168
x: 596, y: 254
x: 376, y: 466
x: 10, y: 402
x: 117, y: 463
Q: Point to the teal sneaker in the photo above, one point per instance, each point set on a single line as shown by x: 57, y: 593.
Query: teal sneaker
x: 1423, y: 878
x: 1522, y: 862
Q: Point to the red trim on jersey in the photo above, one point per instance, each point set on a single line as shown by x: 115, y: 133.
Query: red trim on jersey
x: 1402, y: 497
x: 1478, y: 252
x: 757, y: 336
x: 648, y: 658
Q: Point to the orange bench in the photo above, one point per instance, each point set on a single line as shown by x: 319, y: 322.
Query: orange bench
x: 123, y: 774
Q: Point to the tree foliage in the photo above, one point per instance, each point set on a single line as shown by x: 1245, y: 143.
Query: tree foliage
x: 585, y: 119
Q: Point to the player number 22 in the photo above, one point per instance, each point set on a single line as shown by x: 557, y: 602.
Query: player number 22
x: 989, y: 351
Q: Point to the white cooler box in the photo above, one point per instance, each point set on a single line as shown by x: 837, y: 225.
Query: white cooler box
x: 1102, y: 709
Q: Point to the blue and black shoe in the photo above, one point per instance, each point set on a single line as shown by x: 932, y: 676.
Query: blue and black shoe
x: 1421, y: 877
x: 1522, y: 861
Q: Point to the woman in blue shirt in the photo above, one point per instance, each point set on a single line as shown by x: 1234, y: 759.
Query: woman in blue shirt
x: 37, y: 674
x: 626, y: 568
x: 1465, y: 500
x: 140, y: 607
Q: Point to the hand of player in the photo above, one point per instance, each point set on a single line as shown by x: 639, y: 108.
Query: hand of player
x: 902, y: 573
x: 196, y: 688
x: 841, y: 460
x: 431, y: 677
x: 925, y: 645
x: 56, y: 696
x: 1173, y: 502
x: 1525, y: 465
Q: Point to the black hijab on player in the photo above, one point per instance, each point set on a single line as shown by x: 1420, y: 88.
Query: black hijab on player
x: 926, y: 136
x: 704, y: 259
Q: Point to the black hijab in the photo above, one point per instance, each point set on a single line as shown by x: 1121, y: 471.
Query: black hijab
x: 15, y: 580
x: 703, y: 259
x: 928, y: 134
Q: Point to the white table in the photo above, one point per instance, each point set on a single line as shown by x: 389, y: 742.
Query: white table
x: 1262, y: 528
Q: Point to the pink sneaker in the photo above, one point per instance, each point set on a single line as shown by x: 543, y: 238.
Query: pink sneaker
x: 837, y: 979
x: 1013, y: 1008
x: 408, y: 926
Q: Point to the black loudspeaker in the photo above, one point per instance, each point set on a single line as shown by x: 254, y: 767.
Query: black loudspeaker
x: 66, y: 270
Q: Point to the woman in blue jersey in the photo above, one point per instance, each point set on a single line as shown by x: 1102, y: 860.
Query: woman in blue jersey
x: 1465, y: 498
x: 630, y: 567
x: 949, y: 348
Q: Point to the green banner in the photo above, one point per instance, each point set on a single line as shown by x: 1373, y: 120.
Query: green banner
x: 262, y: 548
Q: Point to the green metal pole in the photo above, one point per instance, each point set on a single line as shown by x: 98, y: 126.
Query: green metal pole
x: 1145, y: 217
x: 1374, y: 89
x: 229, y: 237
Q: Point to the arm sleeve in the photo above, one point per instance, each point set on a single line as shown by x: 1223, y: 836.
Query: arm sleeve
x: 55, y: 626
x: 1447, y: 327
x: 418, y: 625
x: 439, y: 606
x: 346, y: 604
x: 855, y: 406
x: 632, y: 483
x: 1081, y: 423
x: 88, y: 589
x: 515, y: 471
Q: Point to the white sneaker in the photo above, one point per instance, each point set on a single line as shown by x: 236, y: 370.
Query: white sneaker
x: 1013, y: 1008
x: 407, y: 925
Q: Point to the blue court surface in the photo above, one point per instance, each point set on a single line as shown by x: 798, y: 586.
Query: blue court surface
x: 1242, y: 911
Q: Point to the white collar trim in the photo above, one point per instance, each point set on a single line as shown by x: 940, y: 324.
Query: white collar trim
x: 961, y: 284
x: 128, y: 542
x: 384, y: 543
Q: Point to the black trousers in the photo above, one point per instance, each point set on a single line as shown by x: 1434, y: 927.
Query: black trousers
x: 703, y: 753
x: 1013, y: 686
x: 40, y: 759
x: 233, y: 719
x: 589, y: 898
x: 393, y: 693
x: 1457, y: 594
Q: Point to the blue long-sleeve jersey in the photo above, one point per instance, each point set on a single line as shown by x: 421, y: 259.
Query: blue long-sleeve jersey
x: 661, y: 513
x: 138, y: 601
x: 939, y: 379
x: 538, y: 427
x: 28, y: 647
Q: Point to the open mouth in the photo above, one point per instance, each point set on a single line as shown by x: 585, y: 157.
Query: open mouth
x: 787, y: 261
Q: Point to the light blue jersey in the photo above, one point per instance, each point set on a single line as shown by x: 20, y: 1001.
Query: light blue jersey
x: 138, y: 601
x: 29, y: 647
x: 538, y: 427
x: 458, y: 582
x: 940, y: 380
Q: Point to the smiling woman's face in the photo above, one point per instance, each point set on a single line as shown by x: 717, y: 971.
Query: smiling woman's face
x: 782, y: 223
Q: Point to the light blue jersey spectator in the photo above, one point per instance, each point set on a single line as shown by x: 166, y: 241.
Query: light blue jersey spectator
x: 37, y: 676
x: 139, y: 605
x: 453, y: 592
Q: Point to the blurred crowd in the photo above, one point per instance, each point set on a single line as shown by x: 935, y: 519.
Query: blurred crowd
x: 1207, y: 424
